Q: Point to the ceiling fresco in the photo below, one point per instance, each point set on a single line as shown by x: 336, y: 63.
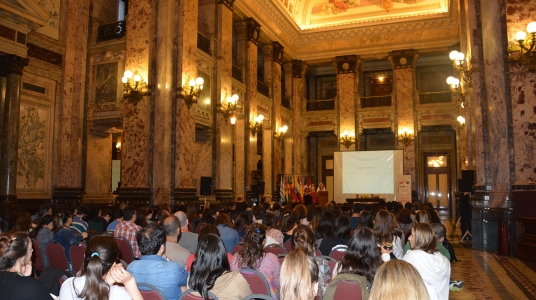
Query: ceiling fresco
x: 312, y: 14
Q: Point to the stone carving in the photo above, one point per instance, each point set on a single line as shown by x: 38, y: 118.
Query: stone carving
x: 227, y: 3
x: 297, y: 68
x: 346, y: 64
x: 402, y: 58
x: 277, y: 52
x: 253, y: 30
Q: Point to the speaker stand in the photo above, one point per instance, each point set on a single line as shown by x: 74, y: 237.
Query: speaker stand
x: 455, y: 227
x: 465, y: 236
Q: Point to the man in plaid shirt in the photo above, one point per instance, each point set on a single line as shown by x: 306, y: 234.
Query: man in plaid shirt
x: 128, y: 229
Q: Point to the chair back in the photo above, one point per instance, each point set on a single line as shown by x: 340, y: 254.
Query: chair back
x: 37, y: 257
x: 56, y: 256
x: 199, y: 227
x: 77, y: 256
x: 188, y: 295
x: 125, y: 249
x: 281, y: 258
x: 237, y: 248
x: 275, y: 249
x: 288, y: 245
x: 347, y: 290
x: 331, y: 261
x: 258, y: 297
x: 150, y: 292
x: 257, y: 281
x: 191, y: 227
x: 338, y: 252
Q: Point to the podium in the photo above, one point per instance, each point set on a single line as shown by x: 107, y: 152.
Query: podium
x: 322, y: 198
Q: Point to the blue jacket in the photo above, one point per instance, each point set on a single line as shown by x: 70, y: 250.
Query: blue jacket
x: 167, y: 276
x: 229, y: 236
x: 66, y: 237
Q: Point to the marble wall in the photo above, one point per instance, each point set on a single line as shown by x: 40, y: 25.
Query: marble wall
x: 346, y: 87
x: 98, y: 171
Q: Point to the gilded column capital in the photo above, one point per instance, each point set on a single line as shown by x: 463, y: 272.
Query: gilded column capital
x: 402, y: 59
x: 253, y: 30
x: 298, y: 68
x: 277, y: 52
x: 12, y: 64
x: 227, y: 3
x: 346, y: 64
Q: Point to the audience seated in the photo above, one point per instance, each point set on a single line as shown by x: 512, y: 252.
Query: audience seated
x: 128, y: 229
x: 273, y: 235
x: 78, y: 222
x: 43, y: 235
x: 101, y: 257
x: 289, y: 223
x: 153, y: 267
x: 118, y: 218
x: 425, y: 257
x: 228, y: 235
x: 16, y: 268
x: 253, y: 256
x: 174, y: 251
x: 100, y: 222
x: 211, y: 272
x: 388, y: 281
x: 325, y: 228
x: 241, y: 223
x: 340, y: 235
x: 64, y: 235
x: 299, y: 279
x: 23, y: 222
x: 386, y: 234
x: 188, y: 239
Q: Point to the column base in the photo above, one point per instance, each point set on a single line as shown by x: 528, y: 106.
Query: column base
x: 224, y: 195
x: 185, y: 195
x: 67, y: 196
x: 134, y: 196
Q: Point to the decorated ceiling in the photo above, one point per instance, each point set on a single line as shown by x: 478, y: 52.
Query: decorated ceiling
x: 312, y: 14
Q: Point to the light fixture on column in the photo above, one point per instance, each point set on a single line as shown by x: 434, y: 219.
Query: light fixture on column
x: 461, y: 121
x: 134, y: 88
x: 233, y: 120
x: 527, y: 54
x: 256, y: 124
x: 281, y: 133
x: 405, y: 137
x: 459, y: 63
x: 190, y: 93
x: 228, y: 107
x: 457, y: 89
x: 347, y: 139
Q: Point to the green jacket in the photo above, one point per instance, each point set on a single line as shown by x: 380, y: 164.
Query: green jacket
x: 362, y: 280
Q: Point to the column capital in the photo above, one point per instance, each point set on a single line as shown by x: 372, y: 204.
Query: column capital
x: 346, y: 64
x: 12, y: 64
x: 227, y: 3
x: 298, y: 68
x: 253, y: 30
x: 278, y: 51
x: 403, y: 58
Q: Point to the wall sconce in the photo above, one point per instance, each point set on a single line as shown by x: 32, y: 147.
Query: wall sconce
x: 190, y: 93
x: 133, y: 87
x: 458, y: 62
x: 457, y: 89
x: 525, y: 47
x: 406, y: 137
x: 256, y: 124
x: 461, y: 120
x: 281, y: 133
x: 233, y: 120
x: 228, y: 107
x: 347, y: 139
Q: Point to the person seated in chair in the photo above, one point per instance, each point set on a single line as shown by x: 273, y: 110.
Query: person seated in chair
x: 153, y: 267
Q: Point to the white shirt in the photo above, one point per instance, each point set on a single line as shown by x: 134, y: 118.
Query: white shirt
x: 68, y: 291
x: 434, y: 270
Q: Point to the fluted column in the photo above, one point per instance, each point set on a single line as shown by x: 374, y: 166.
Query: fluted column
x: 11, y: 66
x: 346, y: 93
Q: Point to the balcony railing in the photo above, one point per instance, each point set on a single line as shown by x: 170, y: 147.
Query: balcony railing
x: 285, y: 102
x: 263, y: 88
x: 111, y: 31
x: 237, y: 73
x: 375, y: 101
x: 321, y: 105
x: 435, y: 97
x: 203, y: 43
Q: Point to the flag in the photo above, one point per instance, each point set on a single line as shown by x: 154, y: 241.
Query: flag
x: 313, y: 190
x: 288, y: 187
x: 298, y: 189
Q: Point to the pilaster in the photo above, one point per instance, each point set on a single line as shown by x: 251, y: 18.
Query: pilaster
x: 299, y: 163
x: 346, y: 67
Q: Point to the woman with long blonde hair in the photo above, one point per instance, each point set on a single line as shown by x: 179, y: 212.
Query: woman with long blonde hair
x: 388, y: 279
x: 299, y: 277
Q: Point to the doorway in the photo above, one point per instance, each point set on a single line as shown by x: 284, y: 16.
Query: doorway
x: 438, y: 181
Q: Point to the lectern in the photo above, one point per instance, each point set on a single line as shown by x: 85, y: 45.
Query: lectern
x: 322, y: 198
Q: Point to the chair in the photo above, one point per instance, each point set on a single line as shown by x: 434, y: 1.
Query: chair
x: 346, y: 288
x: 37, y: 257
x: 199, y: 227
x: 281, y: 258
x: 331, y: 261
x: 125, y: 249
x: 150, y: 292
x: 338, y: 252
x: 317, y: 252
x: 275, y: 249
x: 56, y: 256
x: 237, y: 248
x: 258, y: 296
x: 288, y: 245
x: 257, y: 281
x: 188, y: 295
x: 191, y: 227
x: 77, y: 256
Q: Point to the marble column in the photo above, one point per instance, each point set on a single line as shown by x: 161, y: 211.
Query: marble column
x: 346, y: 67
x: 286, y: 143
x: 136, y: 154
x: 299, y: 159
x: 185, y: 184
x: 3, y: 82
x: 404, y: 84
x: 68, y: 181
x: 240, y: 130
x: 223, y: 175
x: 11, y: 66
x: 277, y: 122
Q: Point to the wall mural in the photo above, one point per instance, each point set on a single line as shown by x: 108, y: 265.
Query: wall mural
x: 32, y: 139
x: 106, y: 83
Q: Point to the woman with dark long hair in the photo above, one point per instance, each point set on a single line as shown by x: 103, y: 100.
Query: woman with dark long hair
x: 273, y: 235
x: 386, y: 234
x: 253, y: 256
x: 23, y: 222
x: 63, y: 234
x: 16, y: 268
x: 241, y: 223
x: 339, y: 236
x: 211, y: 271
x: 100, y: 272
